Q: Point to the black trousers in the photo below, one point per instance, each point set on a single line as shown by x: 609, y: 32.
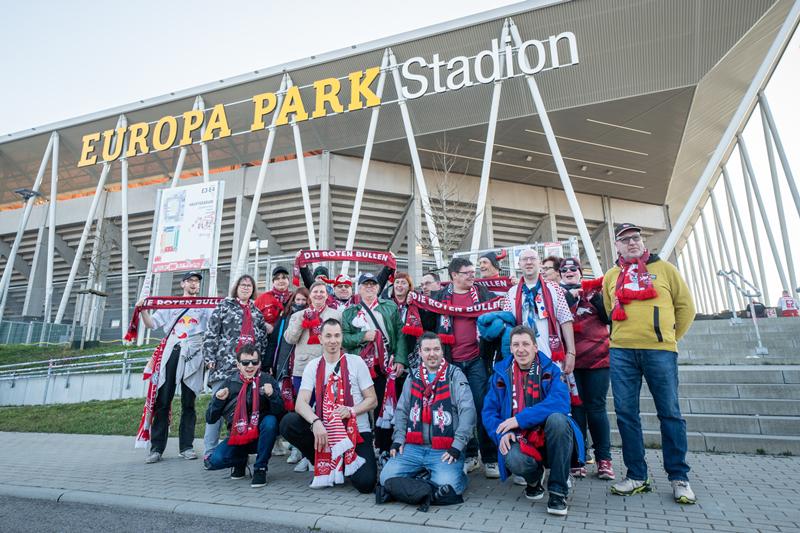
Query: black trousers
x: 383, y: 436
x: 160, y: 427
x: 297, y: 431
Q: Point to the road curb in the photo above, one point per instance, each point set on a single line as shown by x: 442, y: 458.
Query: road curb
x: 310, y: 521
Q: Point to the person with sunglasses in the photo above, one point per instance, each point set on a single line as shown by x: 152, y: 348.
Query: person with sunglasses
x: 585, y: 300
x: 651, y: 309
x: 251, y: 404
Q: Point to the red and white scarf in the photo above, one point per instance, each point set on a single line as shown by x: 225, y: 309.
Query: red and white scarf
x: 447, y: 311
x: 526, y: 392
x: 545, y: 307
x: 247, y: 335
x: 339, y: 458
x: 634, y: 283
x: 306, y: 257
x: 312, y: 322
x: 429, y: 397
x: 167, y: 302
x: 244, y: 429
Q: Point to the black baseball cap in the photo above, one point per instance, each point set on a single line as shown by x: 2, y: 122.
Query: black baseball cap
x: 625, y: 226
x: 367, y: 277
x: 572, y: 262
x: 279, y: 270
x: 191, y: 274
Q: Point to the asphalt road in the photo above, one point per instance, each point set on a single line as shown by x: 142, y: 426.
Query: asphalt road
x: 42, y: 516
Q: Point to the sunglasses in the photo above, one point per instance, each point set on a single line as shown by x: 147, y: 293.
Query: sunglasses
x: 250, y: 362
x: 569, y: 269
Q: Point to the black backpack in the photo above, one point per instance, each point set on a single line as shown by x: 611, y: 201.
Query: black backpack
x: 416, y: 491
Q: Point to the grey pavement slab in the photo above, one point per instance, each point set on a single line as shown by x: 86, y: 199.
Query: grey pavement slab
x: 736, y: 492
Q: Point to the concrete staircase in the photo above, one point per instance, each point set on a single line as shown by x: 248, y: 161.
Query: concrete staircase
x: 718, y: 342
x: 742, y: 409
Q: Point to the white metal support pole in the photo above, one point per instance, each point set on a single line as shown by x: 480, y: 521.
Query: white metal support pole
x: 433, y: 234
x: 776, y: 189
x: 762, y: 272
x: 362, y: 175
x: 586, y: 238
x: 181, y: 158
x: 715, y: 266
x: 301, y: 170
x: 739, y: 117
x: 764, y: 216
x: 51, y: 233
x: 5, y: 281
x: 686, y: 271
x: 488, y: 150
x: 722, y: 245
x: 735, y: 216
x: 698, y: 280
x: 203, y: 146
x: 787, y: 170
x: 241, y: 260
x: 707, y: 281
x: 62, y: 307
x: 124, y: 238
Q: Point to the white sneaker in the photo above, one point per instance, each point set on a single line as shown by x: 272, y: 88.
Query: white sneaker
x: 189, y: 454
x: 471, y: 464
x: 154, y: 457
x: 682, y: 492
x: 303, y: 466
x: 519, y: 480
x: 294, y: 457
x: 280, y: 448
x: 491, y: 470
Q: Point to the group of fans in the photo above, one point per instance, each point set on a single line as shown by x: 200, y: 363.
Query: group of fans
x: 405, y: 390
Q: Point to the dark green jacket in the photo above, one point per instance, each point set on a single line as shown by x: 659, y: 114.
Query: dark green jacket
x: 353, y: 338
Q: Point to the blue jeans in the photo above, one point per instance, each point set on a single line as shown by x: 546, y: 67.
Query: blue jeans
x: 475, y: 371
x: 557, y: 455
x: 226, y: 455
x: 593, y: 390
x: 660, y: 369
x: 212, y: 431
x: 416, y: 459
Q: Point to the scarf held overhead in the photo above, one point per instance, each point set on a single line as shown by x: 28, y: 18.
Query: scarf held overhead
x: 168, y: 302
x: 634, y: 283
x: 306, y: 257
x: 446, y: 310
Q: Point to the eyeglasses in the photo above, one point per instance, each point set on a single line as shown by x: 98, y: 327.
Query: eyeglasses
x: 632, y: 238
x: 467, y: 273
x: 569, y: 269
x: 547, y: 268
x: 250, y: 362
x: 528, y: 259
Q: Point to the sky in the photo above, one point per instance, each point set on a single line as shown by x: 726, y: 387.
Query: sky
x: 66, y: 59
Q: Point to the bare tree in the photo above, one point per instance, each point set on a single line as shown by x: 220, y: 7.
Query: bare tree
x: 453, y: 213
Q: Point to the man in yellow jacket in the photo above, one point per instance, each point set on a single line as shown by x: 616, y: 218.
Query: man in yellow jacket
x: 650, y: 308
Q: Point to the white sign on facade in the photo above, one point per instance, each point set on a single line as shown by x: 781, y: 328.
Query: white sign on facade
x: 188, y: 220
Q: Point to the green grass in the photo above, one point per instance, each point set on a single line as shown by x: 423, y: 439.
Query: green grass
x: 22, y: 353
x: 114, y: 417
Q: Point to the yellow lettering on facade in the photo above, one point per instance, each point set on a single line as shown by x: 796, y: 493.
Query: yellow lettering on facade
x: 112, y: 150
x: 263, y: 105
x: 218, y: 121
x: 137, y: 139
x: 359, y: 86
x: 192, y: 120
x: 88, y: 157
x: 292, y: 104
x: 172, y: 133
x: 331, y: 97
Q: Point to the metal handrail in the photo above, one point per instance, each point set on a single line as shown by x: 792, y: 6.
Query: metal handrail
x: 99, y: 367
x: 731, y: 276
x: 71, y: 358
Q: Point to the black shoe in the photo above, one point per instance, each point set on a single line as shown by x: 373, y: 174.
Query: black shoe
x: 259, y: 478
x: 534, y: 492
x: 238, y: 472
x: 557, y: 505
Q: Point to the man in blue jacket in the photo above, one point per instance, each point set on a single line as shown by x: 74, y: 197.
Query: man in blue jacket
x: 526, y: 413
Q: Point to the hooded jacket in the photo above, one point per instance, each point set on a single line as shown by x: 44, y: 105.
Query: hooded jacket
x: 222, y: 336
x: 555, y: 399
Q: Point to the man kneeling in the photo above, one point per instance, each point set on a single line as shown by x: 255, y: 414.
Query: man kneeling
x: 434, y: 420
x: 525, y: 412
x: 251, y: 404
x: 336, y: 432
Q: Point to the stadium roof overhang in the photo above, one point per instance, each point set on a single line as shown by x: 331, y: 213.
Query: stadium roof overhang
x: 637, y: 116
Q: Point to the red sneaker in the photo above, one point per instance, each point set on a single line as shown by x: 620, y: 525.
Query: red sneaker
x: 605, y: 470
x: 578, y: 472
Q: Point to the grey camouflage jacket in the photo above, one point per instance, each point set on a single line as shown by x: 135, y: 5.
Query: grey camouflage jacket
x: 222, y: 336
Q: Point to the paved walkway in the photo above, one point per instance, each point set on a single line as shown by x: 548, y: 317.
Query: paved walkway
x: 736, y: 492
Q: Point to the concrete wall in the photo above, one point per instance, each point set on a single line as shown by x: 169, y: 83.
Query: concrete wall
x: 72, y: 389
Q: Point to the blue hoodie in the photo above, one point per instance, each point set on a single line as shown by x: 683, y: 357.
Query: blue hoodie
x: 555, y: 399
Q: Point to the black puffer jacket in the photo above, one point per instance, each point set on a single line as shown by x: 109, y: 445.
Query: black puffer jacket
x: 267, y: 406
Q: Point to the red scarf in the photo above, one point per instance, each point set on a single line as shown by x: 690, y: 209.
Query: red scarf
x: 447, y: 311
x: 427, y: 398
x: 306, y: 257
x: 247, y: 335
x: 143, y: 433
x: 287, y: 387
x: 244, y: 429
x: 376, y: 356
x: 495, y: 284
x: 557, y: 353
x: 312, y: 321
x: 526, y: 392
x: 633, y: 283
x: 339, y: 459
x: 168, y: 302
